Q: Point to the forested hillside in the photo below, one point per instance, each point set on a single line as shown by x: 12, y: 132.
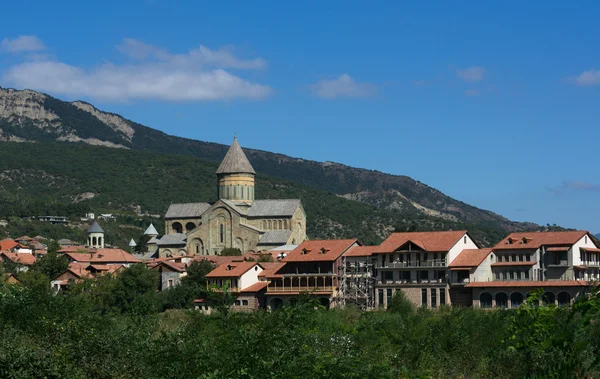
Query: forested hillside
x: 33, y: 116
x: 69, y: 179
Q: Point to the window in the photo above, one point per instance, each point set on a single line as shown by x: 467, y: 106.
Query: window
x: 433, y: 298
x: 527, y: 274
x: 391, y: 258
x: 170, y: 283
x: 528, y: 257
x: 222, y: 233
x: 238, y: 303
x: 424, y: 297
x: 585, y: 239
x: 245, y: 303
x: 514, y: 257
x: 389, y: 296
x: 498, y: 277
x: 389, y: 276
x: 521, y: 259
x: 442, y: 296
x: 465, y: 239
x: 380, y: 296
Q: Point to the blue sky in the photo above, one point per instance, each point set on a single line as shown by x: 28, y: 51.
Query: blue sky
x: 495, y: 105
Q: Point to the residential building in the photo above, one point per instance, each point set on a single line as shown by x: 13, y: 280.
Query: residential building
x: 53, y: 219
x: 562, y: 263
x: 357, y: 277
x: 417, y: 264
x: 21, y: 262
x: 171, y: 273
x: 77, y: 272
x: 100, y: 256
x: 240, y: 278
x: 313, y: 268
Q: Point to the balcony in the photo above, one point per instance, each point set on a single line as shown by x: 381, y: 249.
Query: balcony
x: 305, y: 282
x: 384, y: 282
x: 558, y: 263
x: 460, y: 281
x: 301, y: 289
x: 413, y: 264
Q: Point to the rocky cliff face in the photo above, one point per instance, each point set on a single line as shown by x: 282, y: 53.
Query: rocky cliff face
x: 29, y: 116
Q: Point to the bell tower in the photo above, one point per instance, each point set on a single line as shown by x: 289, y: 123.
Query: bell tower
x: 235, y: 176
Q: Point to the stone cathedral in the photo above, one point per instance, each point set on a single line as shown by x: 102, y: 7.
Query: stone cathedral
x: 235, y: 220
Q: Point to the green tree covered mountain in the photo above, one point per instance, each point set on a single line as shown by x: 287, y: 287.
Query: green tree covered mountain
x: 29, y: 116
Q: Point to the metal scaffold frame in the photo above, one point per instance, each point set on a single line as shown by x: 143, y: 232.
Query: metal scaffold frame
x: 357, y: 285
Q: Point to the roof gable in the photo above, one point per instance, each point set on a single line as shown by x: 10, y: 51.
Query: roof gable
x: 429, y: 241
x: 274, y: 208
x: 470, y: 258
x: 232, y: 269
x: 323, y: 250
x: 186, y: 210
x: 534, y: 240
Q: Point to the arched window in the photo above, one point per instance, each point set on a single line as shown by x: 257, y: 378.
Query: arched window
x: 285, y: 224
x: 564, y: 298
x: 485, y: 300
x: 548, y: 298
x: 516, y: 299
x: 465, y: 239
x: 264, y: 224
x: 501, y: 300
x: 99, y: 241
x: 89, y: 241
x: 222, y: 233
x: 280, y: 225
x: 270, y: 225
x: 190, y: 226
x: 177, y: 227
x: 94, y: 241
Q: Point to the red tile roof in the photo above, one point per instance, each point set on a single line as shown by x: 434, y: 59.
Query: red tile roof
x: 270, y: 268
x: 428, y: 241
x: 232, y: 270
x: 590, y: 250
x: 7, y: 244
x: 175, y: 266
x: 72, y: 249
x: 509, y: 264
x: 217, y: 259
x: 470, y: 258
x: 534, y: 240
x: 525, y: 283
x: 104, y: 256
x: 319, y: 250
x: 23, y: 259
x: 361, y: 251
x: 256, y: 287
x: 558, y: 248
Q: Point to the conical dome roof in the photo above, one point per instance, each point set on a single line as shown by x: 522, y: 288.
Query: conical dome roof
x: 132, y: 243
x: 151, y: 231
x: 95, y: 228
x: 235, y: 161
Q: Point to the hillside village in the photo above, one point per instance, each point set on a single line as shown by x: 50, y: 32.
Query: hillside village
x: 261, y: 256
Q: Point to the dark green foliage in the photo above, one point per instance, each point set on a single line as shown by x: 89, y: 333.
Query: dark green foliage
x: 265, y: 258
x: 230, y: 252
x: 196, y: 273
x: 51, y: 264
x: 142, y: 244
x: 123, y: 180
x: 400, y: 304
x: 68, y: 335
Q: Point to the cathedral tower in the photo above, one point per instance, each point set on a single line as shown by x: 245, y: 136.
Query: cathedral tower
x: 235, y: 176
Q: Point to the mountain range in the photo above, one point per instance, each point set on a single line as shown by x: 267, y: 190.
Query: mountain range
x: 30, y: 116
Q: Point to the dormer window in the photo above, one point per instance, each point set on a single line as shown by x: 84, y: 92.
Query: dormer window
x: 524, y: 240
x: 323, y: 251
x: 229, y: 267
x: 304, y: 251
x: 510, y: 241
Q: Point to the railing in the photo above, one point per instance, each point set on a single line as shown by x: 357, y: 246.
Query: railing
x: 412, y: 264
x: 407, y: 282
x: 300, y: 288
x: 559, y: 263
x: 305, y: 275
x: 460, y: 282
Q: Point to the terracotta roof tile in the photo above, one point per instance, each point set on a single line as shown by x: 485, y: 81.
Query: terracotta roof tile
x: 256, y: 287
x: 470, y: 258
x: 590, y: 250
x: 322, y: 251
x: 428, y: 241
x: 270, y: 269
x: 534, y: 240
x: 7, y: 244
x: 361, y: 251
x: 232, y: 270
x: 23, y: 259
x: 104, y: 256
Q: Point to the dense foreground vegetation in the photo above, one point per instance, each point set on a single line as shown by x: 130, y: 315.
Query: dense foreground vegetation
x: 117, y: 331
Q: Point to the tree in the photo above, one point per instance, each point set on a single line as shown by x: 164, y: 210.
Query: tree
x: 51, y: 264
x: 231, y: 251
x: 401, y: 304
x: 142, y: 245
x: 196, y: 273
x: 265, y: 258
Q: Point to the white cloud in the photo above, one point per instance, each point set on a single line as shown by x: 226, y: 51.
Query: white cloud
x: 198, y: 75
x: 587, y: 78
x: 344, y: 86
x: 21, y: 44
x: 472, y: 74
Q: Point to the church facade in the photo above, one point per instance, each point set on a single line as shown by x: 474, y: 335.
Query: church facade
x: 236, y: 220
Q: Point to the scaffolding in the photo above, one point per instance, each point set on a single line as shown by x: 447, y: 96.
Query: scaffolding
x: 357, y: 284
